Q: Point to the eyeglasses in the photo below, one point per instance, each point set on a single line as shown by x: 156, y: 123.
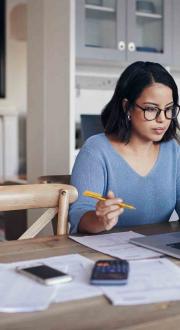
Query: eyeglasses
x: 151, y: 112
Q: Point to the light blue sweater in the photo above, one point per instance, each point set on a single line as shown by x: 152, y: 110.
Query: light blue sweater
x: 99, y: 168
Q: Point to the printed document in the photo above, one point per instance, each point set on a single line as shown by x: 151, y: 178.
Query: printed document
x: 116, y: 245
x: 150, y: 281
x: 80, y: 269
x: 22, y: 294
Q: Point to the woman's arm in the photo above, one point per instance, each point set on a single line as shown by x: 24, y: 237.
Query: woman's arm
x: 105, y: 217
x: 89, y: 223
x: 86, y: 214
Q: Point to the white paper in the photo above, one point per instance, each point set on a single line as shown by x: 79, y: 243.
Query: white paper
x: 150, y: 281
x: 19, y: 293
x: 117, y: 245
x: 80, y: 269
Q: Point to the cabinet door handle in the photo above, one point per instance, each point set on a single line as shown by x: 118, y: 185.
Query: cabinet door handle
x: 121, y: 45
x: 131, y: 46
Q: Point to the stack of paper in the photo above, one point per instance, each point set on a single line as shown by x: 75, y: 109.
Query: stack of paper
x: 116, y: 245
x: 150, y: 281
x: 19, y: 293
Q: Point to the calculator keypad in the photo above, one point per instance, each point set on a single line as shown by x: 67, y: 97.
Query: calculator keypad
x: 111, y: 267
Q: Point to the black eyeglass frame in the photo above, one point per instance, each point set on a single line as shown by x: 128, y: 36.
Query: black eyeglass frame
x: 158, y: 112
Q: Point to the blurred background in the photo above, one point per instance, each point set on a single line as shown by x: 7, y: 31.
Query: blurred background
x: 59, y: 63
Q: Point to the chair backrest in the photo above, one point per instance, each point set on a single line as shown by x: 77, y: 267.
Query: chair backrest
x: 90, y: 125
x: 55, y: 196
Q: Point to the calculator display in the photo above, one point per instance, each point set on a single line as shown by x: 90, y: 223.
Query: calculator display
x: 110, y: 272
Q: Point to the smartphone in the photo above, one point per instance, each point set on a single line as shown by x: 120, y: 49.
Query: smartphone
x: 110, y: 272
x: 44, y: 274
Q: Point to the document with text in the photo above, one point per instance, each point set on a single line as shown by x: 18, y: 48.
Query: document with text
x: 21, y: 294
x: 150, y: 281
x: 116, y: 245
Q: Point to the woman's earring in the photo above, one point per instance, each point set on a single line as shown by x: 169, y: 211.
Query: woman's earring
x: 129, y: 116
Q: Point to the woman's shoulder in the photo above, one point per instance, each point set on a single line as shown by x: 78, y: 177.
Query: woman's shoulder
x: 172, y: 147
x: 172, y: 144
x: 93, y: 150
x: 95, y: 142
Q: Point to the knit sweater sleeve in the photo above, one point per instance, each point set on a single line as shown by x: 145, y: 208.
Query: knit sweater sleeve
x: 88, y: 174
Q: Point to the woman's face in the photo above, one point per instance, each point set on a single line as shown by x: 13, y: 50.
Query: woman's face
x: 156, y: 95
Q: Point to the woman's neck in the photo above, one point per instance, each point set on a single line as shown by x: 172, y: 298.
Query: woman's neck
x: 140, y: 155
x: 141, y: 147
x: 135, y: 145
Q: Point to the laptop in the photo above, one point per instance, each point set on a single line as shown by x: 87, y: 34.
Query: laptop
x: 165, y: 243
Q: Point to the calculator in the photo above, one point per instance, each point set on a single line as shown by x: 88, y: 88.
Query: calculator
x: 110, y: 272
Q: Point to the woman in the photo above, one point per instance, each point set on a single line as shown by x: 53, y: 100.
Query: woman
x: 136, y: 159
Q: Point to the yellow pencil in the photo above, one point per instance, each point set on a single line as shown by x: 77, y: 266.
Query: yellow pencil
x: 101, y: 198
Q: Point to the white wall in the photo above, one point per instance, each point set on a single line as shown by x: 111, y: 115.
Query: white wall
x: 91, y: 101
x: 51, y: 72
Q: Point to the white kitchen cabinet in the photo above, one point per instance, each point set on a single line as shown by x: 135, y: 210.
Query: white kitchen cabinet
x: 124, y: 30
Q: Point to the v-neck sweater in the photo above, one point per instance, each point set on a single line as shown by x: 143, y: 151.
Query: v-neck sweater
x: 100, y: 168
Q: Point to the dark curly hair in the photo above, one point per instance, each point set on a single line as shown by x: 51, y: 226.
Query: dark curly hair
x: 130, y: 85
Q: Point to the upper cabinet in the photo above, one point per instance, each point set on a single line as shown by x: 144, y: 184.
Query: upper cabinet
x: 100, y: 29
x: 124, y: 30
x: 176, y: 33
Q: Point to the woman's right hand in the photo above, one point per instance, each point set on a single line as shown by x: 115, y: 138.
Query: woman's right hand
x: 108, y: 211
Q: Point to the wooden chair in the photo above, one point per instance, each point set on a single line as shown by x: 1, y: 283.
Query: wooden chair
x: 55, y: 178
x: 55, y: 197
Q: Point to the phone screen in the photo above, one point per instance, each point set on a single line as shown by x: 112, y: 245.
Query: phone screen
x: 45, y: 274
x: 44, y: 271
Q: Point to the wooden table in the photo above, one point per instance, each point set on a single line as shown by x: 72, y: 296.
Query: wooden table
x: 93, y: 313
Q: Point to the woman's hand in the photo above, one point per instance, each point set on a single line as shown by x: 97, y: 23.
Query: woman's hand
x: 108, y: 211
